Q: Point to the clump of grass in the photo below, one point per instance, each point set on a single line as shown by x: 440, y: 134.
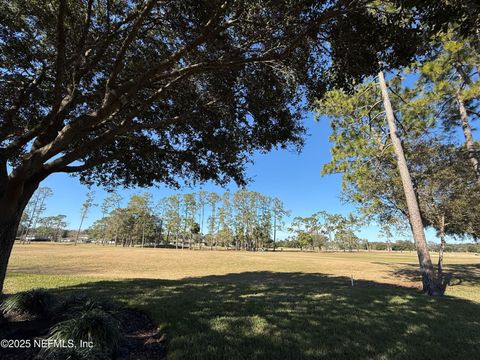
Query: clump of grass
x: 93, y: 325
x: 78, y: 303
x: 33, y: 303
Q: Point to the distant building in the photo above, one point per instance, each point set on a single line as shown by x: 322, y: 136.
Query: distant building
x: 36, y: 237
x: 84, y: 239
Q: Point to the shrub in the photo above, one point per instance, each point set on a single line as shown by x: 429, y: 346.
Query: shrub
x: 75, y: 304
x: 35, y: 303
x: 95, y: 325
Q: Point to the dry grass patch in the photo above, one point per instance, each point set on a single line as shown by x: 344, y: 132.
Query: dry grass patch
x: 107, y: 262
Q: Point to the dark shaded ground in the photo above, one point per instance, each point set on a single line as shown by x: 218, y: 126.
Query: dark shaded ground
x: 143, y: 341
x: 141, y: 338
x: 265, y: 315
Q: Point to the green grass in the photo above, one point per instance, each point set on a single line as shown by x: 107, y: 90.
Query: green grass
x: 269, y: 315
x: 17, y: 282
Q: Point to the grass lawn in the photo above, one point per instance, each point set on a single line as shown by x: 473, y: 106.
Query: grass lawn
x: 283, y: 305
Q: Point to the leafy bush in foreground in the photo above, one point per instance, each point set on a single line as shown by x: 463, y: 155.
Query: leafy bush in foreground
x: 93, y: 325
x: 75, y: 304
x: 35, y: 303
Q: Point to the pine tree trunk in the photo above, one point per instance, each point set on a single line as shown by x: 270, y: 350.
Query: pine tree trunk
x: 430, y: 282
x: 79, y: 229
x: 440, y: 255
x: 23, y: 237
x: 104, y: 232
x: 467, y: 132
x: 274, y: 231
x: 160, y: 239
x: 442, y: 247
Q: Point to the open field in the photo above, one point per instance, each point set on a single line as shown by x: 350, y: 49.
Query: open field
x: 67, y: 263
x: 283, y: 305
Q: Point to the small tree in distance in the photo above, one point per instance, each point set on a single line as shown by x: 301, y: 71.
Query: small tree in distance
x: 87, y: 204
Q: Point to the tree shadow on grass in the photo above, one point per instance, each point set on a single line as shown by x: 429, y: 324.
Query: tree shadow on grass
x: 458, y: 273
x: 267, y: 315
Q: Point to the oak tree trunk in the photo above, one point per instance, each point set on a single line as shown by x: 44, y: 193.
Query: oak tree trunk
x: 14, y: 196
x: 431, y: 284
x: 8, y: 230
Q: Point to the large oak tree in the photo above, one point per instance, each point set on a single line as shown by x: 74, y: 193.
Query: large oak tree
x: 136, y: 92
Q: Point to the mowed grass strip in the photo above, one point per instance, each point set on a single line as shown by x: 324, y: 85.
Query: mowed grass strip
x: 228, y: 305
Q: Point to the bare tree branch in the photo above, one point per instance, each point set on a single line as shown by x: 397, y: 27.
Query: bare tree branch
x: 20, y: 102
x: 118, y: 64
x: 60, y: 61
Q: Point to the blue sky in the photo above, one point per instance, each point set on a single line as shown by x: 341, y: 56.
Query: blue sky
x: 294, y: 178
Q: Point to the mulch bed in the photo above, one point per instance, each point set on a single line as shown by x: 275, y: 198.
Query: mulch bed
x: 141, y: 338
x: 143, y: 341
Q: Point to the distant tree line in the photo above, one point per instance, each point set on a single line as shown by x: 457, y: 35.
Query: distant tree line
x: 324, y: 231
x: 356, y: 245
x: 34, y: 225
x: 244, y: 220
x: 399, y: 245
